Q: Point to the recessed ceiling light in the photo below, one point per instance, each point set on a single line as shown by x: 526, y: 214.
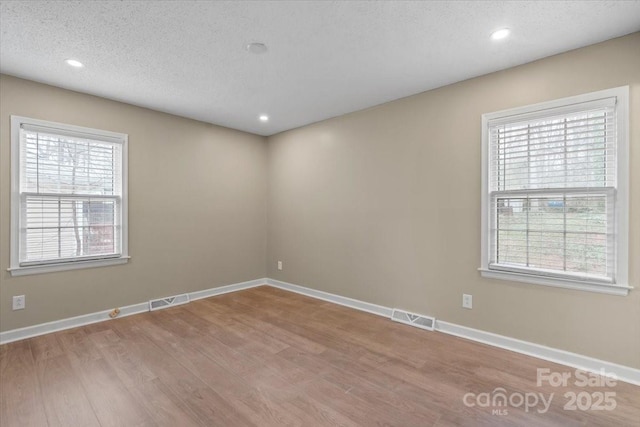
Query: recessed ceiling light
x: 264, y: 118
x: 74, y: 63
x: 500, y: 34
x: 256, y: 48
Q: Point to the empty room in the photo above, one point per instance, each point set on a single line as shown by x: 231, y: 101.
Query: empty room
x: 319, y: 213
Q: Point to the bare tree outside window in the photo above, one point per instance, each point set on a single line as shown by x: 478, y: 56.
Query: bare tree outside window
x: 70, y: 197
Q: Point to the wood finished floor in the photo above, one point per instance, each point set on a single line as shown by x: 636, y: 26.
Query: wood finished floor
x: 267, y: 357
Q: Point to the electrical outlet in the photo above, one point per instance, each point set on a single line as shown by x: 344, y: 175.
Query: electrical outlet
x: 19, y: 302
x: 279, y: 265
x: 467, y: 301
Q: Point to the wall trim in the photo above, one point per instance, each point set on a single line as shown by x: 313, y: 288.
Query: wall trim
x: 574, y: 360
x: 562, y: 357
x: 336, y: 299
x: 101, y: 316
x: 68, y: 323
x: 206, y: 293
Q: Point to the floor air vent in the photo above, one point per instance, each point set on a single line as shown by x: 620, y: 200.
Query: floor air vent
x: 159, y: 304
x: 417, y: 320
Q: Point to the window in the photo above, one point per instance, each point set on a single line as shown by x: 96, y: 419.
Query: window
x: 69, y: 200
x: 555, y: 193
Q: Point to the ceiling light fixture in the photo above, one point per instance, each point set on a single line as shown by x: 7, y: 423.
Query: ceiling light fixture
x: 256, y: 48
x: 500, y: 34
x: 264, y: 118
x: 74, y: 63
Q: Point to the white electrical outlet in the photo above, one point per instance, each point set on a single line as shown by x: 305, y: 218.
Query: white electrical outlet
x: 279, y: 265
x: 467, y: 301
x: 18, y: 302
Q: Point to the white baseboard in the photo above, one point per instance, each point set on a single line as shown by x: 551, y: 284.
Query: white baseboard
x: 68, y: 323
x: 226, y: 289
x: 562, y: 357
x: 101, y: 316
x: 336, y: 299
x: 578, y: 361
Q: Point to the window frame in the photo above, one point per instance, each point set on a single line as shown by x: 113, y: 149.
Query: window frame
x: 53, y: 266
x: 621, y: 286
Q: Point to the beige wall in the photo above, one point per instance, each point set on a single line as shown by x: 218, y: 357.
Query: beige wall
x: 383, y: 205
x: 197, y: 207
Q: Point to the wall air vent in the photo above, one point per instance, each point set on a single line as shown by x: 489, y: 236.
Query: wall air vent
x: 417, y: 320
x: 159, y: 304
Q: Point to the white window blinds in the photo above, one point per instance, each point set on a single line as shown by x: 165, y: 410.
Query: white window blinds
x: 70, y: 195
x: 552, y: 190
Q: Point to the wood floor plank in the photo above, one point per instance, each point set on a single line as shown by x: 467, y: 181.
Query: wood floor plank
x: 21, y: 399
x: 262, y: 407
x: 77, y: 345
x: 351, y: 406
x: 187, y: 368
x: 132, y: 371
x: 65, y: 401
x: 201, y: 384
x: 111, y: 401
x: 164, y: 406
x: 265, y: 326
x: 316, y: 413
x: 268, y: 357
x: 45, y: 347
x: 235, y: 362
x: 384, y: 399
x: 367, y: 383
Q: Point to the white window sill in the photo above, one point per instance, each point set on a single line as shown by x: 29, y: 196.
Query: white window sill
x: 74, y: 265
x: 556, y: 282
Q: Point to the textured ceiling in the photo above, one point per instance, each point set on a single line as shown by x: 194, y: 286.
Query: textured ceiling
x: 325, y: 58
